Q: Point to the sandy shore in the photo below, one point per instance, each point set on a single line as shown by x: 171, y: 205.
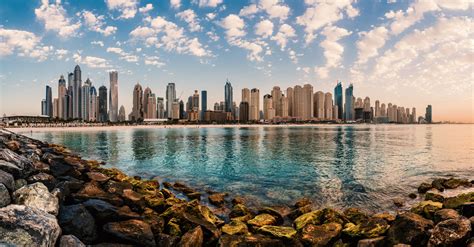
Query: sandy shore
x: 96, y: 128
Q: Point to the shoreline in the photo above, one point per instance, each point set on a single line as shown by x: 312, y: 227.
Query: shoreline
x: 46, y: 191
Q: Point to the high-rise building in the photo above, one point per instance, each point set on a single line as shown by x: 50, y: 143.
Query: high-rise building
x: 413, y: 115
x: 102, y: 112
x: 228, y: 96
x: 284, y: 107
x: 146, y: 95
x: 319, y: 105
x: 366, y: 105
x: 43, y: 108
x: 203, y: 104
x: 244, y: 112
x: 62, y: 92
x: 77, y: 88
x: 113, y: 96
x: 93, y: 106
x: 308, y: 102
x: 70, y: 94
x: 151, y: 106
x: 170, y: 99
x: 195, y: 101
x: 377, y: 108
x: 121, y: 116
x: 268, y: 111
x: 383, y: 111
x: 429, y: 114
x: 290, y: 96
x: 338, y: 100
x: 137, y: 104
x: 276, y: 100
x: 85, y: 101
x: 160, y: 108
x: 349, y: 106
x: 182, y: 112
x: 254, y: 105
x: 328, y: 106
x: 55, y: 107
x: 335, y: 113
x: 49, y: 102
x: 246, y: 95
x: 298, y: 109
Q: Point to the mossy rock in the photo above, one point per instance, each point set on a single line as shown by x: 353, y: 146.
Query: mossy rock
x: 386, y: 216
x: 262, y: 220
x: 322, y: 235
x: 155, y: 203
x: 244, y: 218
x: 235, y: 227
x: 278, y: 231
x: 457, y: 201
x: 453, y: 183
x: 427, y: 209
x: 239, y: 210
x: 150, y: 187
x: 308, y: 218
x: 424, y: 187
x: 329, y: 215
x: 173, y: 228
x: 371, y: 228
x: 434, y: 197
x: 355, y: 215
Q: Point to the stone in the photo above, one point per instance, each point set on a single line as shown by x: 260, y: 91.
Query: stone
x: 40, y: 166
x: 299, y: 211
x: 165, y: 240
x: 235, y: 227
x: 386, y: 216
x: 372, y: 242
x: 267, y: 210
x: 371, y: 228
x: 20, y: 183
x: 7, y: 180
x: 238, y: 200
x: 173, y: 228
x: 434, y: 197
x: 104, y: 211
x: 217, y: 199
x: 412, y: 196
x: 76, y: 220
x: 399, y: 202
x: 438, y: 184
x: 278, y: 231
x: 97, y: 176
x: 445, y: 214
x: 70, y: 241
x: 13, y: 145
x: 92, y: 190
x: 308, y: 218
x: 44, y: 178
x: 320, y: 235
x: 302, y: 202
x: 37, y: 196
x: 355, y: 215
x: 166, y: 193
x: 59, y: 167
x: 4, y: 196
x: 427, y: 209
x: 453, y: 183
x: 26, y: 226
x: 239, y: 210
x: 251, y: 240
x: 424, y: 187
x: 330, y: 215
x: 452, y: 232
x: 16, y: 165
x: 192, y: 238
x: 194, y: 195
x: 457, y: 201
x: 134, y: 231
x: 132, y: 197
x: 262, y: 220
x: 467, y: 209
x: 409, y: 228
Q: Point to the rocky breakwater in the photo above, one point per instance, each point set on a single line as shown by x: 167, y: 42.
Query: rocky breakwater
x: 51, y: 197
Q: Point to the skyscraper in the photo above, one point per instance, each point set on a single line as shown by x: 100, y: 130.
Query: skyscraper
x: 319, y: 105
x: 284, y: 107
x: 121, y: 115
x: 49, y: 102
x: 429, y: 114
x: 102, y: 114
x: 151, y: 106
x: 62, y: 92
x: 43, y: 108
x: 137, y: 106
x: 93, y: 106
x: 276, y: 100
x: 146, y: 95
x: 160, y: 108
x: 307, y: 102
x: 170, y: 99
x: 246, y: 95
x: 349, y: 106
x: 298, y: 102
x: 328, y: 106
x: 268, y: 111
x: 377, y: 108
x: 244, y: 112
x: 338, y: 99
x: 203, y: 103
x: 77, y: 88
x: 85, y: 101
x: 228, y: 96
x: 195, y: 101
x: 290, y: 96
x: 254, y: 105
x: 55, y: 107
x: 70, y: 94
x: 413, y: 115
x: 113, y: 96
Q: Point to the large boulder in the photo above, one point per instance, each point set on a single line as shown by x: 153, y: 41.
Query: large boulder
x: 445, y: 214
x: 262, y: 220
x: 370, y: 228
x: 372, y: 242
x: 427, y: 209
x: 284, y: 232
x: 235, y: 227
x: 7, y: 180
x: 452, y: 232
x: 104, y: 211
x: 26, y: 226
x: 322, y: 235
x: 70, y: 241
x: 4, y: 196
x: 76, y: 220
x: 410, y: 228
x: 457, y: 201
x: 37, y: 196
x: 453, y: 183
x: 48, y: 180
x: 92, y: 190
x: 15, y: 164
x: 133, y: 231
x: 192, y: 238
x: 308, y: 218
x: 217, y: 199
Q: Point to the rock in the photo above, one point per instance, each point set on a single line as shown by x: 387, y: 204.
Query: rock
x: 272, y: 212
x: 308, y: 218
x: 399, y: 202
x: 278, y: 231
x: 117, y: 188
x: 76, y: 220
x: 166, y: 193
x: 173, y: 228
x: 445, y: 214
x: 235, y: 227
x: 262, y: 220
x: 37, y: 196
x: 302, y: 202
x: 70, y: 241
x: 410, y: 228
x: 133, y: 198
x: 7, y: 180
x: 104, y: 211
x: 299, y: 211
x: 59, y: 167
x: 453, y: 183
x: 321, y: 235
x: 251, y: 240
x: 16, y: 165
x: 452, y: 232
x: 20, y: 183
x: 97, y: 176
x: 134, y: 231
x: 92, y: 190
x: 424, y: 187
x: 467, y: 209
x: 25, y: 226
x: 355, y: 215
x: 13, y: 145
x: 434, y: 197
x: 438, y: 184
x: 194, y: 195
x: 44, y: 178
x: 329, y: 215
x: 239, y: 210
x: 4, y: 196
x: 192, y: 238
x: 183, y: 188
x: 386, y: 216
x: 371, y: 228
x: 217, y: 199
x: 165, y: 240
x: 372, y: 242
x: 412, y: 196
x: 457, y: 201
x: 427, y: 209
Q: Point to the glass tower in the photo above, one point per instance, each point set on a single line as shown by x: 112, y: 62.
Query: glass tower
x: 338, y: 99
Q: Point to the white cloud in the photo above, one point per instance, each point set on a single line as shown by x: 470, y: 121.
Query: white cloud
x: 370, y: 43
x: 332, y: 49
x: 264, y: 28
x: 127, y: 8
x: 233, y: 25
x: 123, y: 55
x: 405, y: 19
x: 191, y: 18
x: 321, y: 13
x: 284, y: 33
x: 211, y: 16
x: 273, y: 8
x: 55, y: 19
x: 254, y: 48
x: 154, y: 60
x: 90, y: 61
x: 99, y: 43
x: 249, y: 10
x: 175, y: 4
x: 96, y: 23
x: 23, y: 44
x: 209, y: 3
x: 61, y: 53
x: 148, y: 7
x: 212, y: 36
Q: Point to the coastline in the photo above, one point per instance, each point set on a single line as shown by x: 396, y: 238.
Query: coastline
x: 55, y: 196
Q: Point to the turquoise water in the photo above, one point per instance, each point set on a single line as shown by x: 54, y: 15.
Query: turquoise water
x: 340, y: 166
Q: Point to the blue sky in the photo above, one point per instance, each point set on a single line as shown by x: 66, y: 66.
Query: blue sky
x: 409, y: 53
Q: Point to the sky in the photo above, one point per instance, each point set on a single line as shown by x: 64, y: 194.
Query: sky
x: 408, y: 53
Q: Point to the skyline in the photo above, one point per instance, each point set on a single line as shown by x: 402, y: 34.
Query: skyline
x: 410, y: 53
